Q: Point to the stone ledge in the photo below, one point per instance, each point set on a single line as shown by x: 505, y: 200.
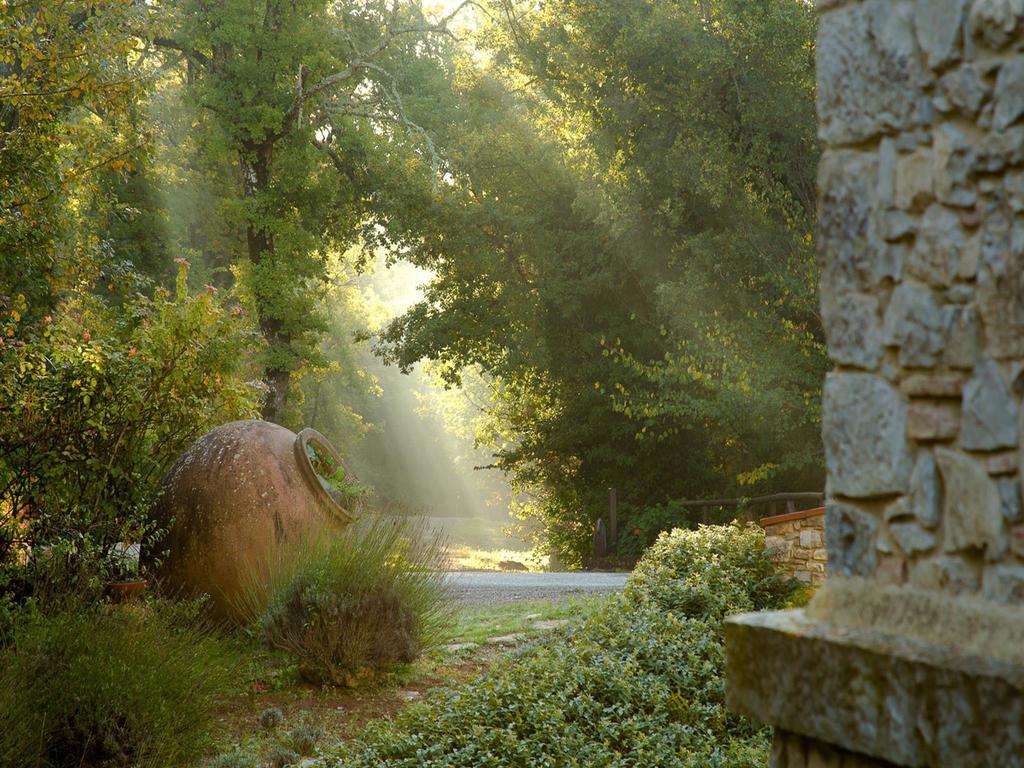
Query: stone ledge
x: 905, y: 701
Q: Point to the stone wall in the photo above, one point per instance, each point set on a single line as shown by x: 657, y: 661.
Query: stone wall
x: 921, y: 232
x: 796, y: 543
x: 912, y: 652
x: 792, y: 751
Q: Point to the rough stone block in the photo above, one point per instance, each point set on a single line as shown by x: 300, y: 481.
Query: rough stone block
x: 990, y: 413
x: 935, y: 420
x: 996, y: 21
x: 864, y: 429
x: 1009, y: 94
x: 965, y: 88
x: 853, y: 329
x: 872, y: 693
x: 940, y: 29
x: 1000, y: 292
x: 1004, y: 583
x: 847, y: 239
x: 850, y: 535
x: 811, y: 539
x: 892, y: 569
x: 915, y: 181
x: 963, y: 337
x: 911, y: 538
x: 949, y: 385
x: 924, y: 491
x: 972, y: 509
x: 954, y: 160
x: 913, y: 322
x: 1005, y: 463
x: 1017, y: 540
x: 1009, y: 496
x: 869, y: 71
x: 951, y: 575
x: 935, y: 257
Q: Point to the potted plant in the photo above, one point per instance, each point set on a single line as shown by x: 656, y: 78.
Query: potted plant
x: 125, y: 580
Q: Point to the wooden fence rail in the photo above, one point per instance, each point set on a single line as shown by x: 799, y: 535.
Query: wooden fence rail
x: 772, y: 501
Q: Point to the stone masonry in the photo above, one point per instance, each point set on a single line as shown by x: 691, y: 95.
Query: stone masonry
x: 796, y: 543
x: 912, y: 653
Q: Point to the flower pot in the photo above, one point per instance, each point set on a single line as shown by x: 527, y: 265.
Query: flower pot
x: 237, y: 494
x: 126, y: 591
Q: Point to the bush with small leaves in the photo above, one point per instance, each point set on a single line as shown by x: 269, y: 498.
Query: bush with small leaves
x: 282, y: 757
x: 638, y: 680
x: 270, y: 718
x: 304, y: 737
x: 236, y: 758
x: 709, y: 573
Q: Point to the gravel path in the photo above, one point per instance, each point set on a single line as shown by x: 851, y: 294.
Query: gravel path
x: 500, y: 587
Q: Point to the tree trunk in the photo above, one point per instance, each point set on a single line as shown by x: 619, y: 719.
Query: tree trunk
x: 257, y: 162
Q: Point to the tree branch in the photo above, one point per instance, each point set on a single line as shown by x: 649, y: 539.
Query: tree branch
x: 174, y: 45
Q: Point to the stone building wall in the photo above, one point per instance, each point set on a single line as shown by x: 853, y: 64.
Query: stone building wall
x: 921, y: 230
x: 796, y: 543
x: 912, y: 652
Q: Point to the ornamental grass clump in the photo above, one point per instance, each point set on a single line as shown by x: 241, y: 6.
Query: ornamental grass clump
x: 350, y: 604
x: 99, y: 687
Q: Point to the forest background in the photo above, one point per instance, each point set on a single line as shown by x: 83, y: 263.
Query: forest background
x: 609, y: 205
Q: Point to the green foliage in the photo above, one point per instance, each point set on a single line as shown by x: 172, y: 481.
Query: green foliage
x: 282, y: 757
x: 625, y: 253
x: 108, y: 687
x: 635, y: 681
x: 99, y: 406
x: 234, y: 759
x: 304, y: 737
x: 348, y: 605
x: 709, y: 573
x: 67, y: 86
x: 645, y: 525
x: 307, y: 107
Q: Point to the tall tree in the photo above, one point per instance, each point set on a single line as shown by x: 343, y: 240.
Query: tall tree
x: 629, y: 257
x: 306, y: 97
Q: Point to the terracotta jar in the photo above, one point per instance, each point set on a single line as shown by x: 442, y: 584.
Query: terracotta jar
x: 239, y: 492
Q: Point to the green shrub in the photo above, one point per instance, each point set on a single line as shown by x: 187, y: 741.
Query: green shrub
x: 97, y: 407
x: 105, y: 687
x: 304, y: 737
x: 709, y: 573
x: 640, y: 528
x: 282, y: 757
x: 626, y: 686
x: 236, y: 758
x: 348, y: 605
x: 637, y: 681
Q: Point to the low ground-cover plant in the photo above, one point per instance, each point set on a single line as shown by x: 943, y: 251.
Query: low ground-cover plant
x: 637, y: 681
x: 349, y: 604
x: 99, y: 687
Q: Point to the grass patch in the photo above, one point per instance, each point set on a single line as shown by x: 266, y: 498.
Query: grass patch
x: 473, y: 623
x: 106, y: 686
